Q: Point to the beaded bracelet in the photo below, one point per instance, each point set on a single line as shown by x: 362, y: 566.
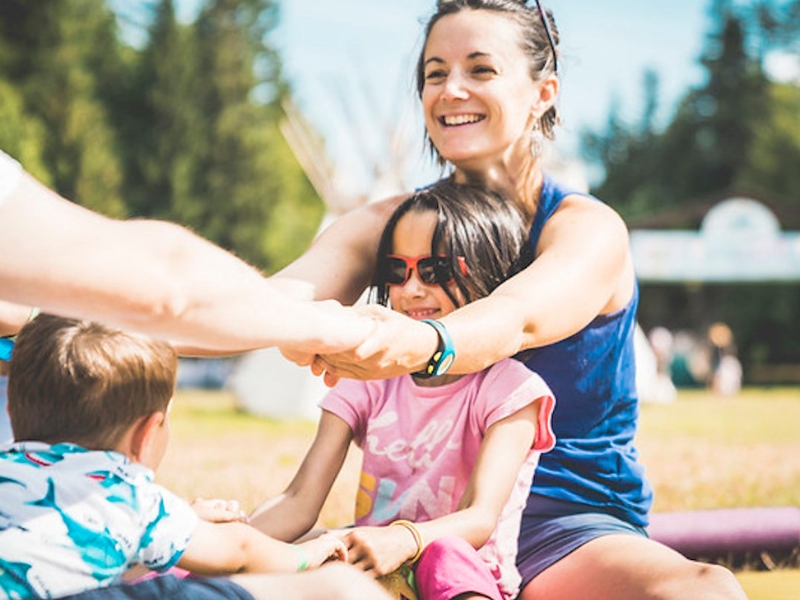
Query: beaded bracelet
x: 417, y: 538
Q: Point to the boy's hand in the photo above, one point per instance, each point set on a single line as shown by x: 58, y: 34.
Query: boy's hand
x: 324, y: 548
x: 219, y: 511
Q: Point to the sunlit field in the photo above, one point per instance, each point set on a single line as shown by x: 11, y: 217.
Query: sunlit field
x: 701, y: 452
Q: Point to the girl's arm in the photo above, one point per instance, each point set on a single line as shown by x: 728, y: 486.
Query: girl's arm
x: 583, y: 268
x: 226, y: 548
x: 295, y: 511
x: 507, y: 443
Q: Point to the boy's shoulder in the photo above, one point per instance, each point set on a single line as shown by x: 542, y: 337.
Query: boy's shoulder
x: 95, y: 513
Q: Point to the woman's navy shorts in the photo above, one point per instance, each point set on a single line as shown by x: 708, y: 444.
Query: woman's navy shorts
x: 171, y: 587
x: 551, y: 529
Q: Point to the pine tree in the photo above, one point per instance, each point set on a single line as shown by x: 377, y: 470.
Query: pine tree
x: 238, y: 169
x: 60, y: 52
x: 705, y: 148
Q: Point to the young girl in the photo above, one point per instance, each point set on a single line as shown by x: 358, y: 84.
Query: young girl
x: 448, y: 460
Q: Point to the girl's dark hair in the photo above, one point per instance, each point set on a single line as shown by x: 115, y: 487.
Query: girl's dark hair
x: 537, y: 44
x: 476, y: 223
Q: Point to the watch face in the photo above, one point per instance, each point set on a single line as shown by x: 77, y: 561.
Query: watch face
x: 443, y: 366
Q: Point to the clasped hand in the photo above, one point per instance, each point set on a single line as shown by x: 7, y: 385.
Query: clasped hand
x: 379, y: 550
x: 396, y: 346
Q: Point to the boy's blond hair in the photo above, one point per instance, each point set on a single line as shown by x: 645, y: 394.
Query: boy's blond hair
x: 85, y: 383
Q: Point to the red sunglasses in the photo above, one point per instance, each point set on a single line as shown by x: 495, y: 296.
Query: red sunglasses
x: 431, y: 270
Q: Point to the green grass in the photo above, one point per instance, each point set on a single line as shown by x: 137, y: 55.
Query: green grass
x: 710, y: 452
x: 700, y: 452
x: 756, y: 416
x: 773, y: 585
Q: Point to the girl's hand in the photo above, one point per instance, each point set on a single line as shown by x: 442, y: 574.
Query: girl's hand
x: 379, y: 550
x: 219, y: 511
x: 397, y: 346
x: 324, y: 548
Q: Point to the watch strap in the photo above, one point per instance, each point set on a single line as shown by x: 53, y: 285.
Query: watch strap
x: 442, y: 359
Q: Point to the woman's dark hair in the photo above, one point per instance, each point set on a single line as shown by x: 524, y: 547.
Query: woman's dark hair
x: 538, y: 44
x: 476, y: 223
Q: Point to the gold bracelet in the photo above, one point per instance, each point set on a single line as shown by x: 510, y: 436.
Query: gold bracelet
x: 417, y: 538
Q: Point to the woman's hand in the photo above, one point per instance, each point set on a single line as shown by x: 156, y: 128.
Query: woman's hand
x: 379, y: 550
x: 398, y: 345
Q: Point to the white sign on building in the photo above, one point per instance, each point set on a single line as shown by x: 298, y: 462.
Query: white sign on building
x: 739, y: 240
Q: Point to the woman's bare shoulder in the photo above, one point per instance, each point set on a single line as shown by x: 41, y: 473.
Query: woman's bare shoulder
x: 581, y: 208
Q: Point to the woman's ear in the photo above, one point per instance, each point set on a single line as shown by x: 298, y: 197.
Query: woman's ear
x: 546, y: 98
x: 141, y: 440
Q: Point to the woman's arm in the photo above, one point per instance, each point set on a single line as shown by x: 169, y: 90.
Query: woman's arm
x: 381, y: 550
x: 295, y: 511
x: 151, y: 276
x: 583, y: 268
x: 340, y: 262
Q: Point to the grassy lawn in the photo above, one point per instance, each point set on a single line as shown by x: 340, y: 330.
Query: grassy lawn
x: 700, y: 452
x: 709, y: 452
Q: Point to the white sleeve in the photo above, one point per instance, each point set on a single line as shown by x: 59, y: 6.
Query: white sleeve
x: 10, y: 174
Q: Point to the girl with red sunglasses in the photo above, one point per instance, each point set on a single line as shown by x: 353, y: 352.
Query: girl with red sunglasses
x: 447, y: 460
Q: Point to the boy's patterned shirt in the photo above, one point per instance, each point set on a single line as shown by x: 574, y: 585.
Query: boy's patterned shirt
x: 73, y: 519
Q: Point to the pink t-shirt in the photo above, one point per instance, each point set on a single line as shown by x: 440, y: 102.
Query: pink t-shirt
x: 420, y: 446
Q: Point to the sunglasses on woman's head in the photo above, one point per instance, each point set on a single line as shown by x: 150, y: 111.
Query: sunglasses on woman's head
x: 550, y: 39
x: 431, y: 270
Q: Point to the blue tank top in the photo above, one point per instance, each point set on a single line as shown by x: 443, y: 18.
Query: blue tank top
x: 592, y: 374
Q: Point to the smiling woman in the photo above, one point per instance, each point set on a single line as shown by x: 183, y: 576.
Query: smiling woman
x: 488, y: 85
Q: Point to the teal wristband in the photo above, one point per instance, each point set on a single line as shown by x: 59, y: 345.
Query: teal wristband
x: 445, y: 354
x: 302, y: 558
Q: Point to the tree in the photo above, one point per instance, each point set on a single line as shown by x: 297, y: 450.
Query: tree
x: 775, y: 148
x: 157, y: 117
x: 238, y: 164
x: 201, y: 130
x: 631, y: 156
x: 21, y: 135
x: 705, y: 147
x: 57, y: 53
x: 182, y: 126
x: 736, y: 132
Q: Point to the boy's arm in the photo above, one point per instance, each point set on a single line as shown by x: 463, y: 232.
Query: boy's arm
x: 503, y: 451
x: 295, y: 511
x: 226, y: 548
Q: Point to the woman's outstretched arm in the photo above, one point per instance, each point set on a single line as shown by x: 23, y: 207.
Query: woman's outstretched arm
x: 583, y: 268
